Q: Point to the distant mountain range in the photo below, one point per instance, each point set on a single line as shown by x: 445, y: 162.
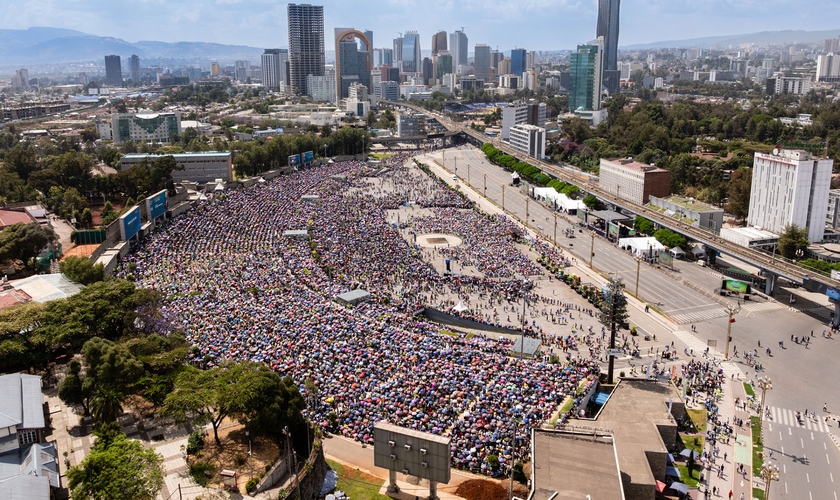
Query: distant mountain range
x: 38, y: 45
x: 760, y: 38
x: 35, y: 46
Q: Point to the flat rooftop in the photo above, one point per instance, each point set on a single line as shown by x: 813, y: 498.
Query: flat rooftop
x: 634, y: 409
x: 633, y: 165
x: 692, y: 204
x: 575, y: 465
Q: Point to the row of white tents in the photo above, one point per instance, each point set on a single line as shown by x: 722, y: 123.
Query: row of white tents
x: 552, y: 196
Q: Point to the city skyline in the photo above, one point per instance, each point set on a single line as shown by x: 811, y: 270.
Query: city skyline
x: 534, y: 24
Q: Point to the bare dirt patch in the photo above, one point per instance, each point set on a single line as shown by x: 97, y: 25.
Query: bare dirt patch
x: 483, y: 489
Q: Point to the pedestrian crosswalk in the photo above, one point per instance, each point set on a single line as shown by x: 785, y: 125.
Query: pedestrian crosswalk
x: 788, y: 417
x: 763, y: 306
x: 698, y: 316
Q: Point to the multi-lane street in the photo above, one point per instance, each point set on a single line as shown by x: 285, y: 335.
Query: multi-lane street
x: 805, y: 454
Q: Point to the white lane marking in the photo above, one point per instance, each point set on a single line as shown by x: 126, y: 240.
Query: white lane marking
x: 769, y: 426
x: 812, y: 436
x: 808, y: 477
x: 802, y: 441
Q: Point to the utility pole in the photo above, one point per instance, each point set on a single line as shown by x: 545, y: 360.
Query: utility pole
x: 485, y: 185
x: 503, y: 197
x: 731, y: 310
x: 591, y: 249
x: 469, y: 176
x: 527, y: 212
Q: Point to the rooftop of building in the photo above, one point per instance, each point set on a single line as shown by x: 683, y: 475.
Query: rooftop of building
x: 575, y: 464
x: 634, y: 409
x: 12, y: 217
x: 631, y: 164
x: 527, y: 126
x: 21, y: 401
x: 46, y: 287
x: 753, y: 233
x: 691, y: 204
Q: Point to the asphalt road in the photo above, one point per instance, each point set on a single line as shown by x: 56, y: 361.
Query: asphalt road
x: 806, y: 456
x: 691, y: 303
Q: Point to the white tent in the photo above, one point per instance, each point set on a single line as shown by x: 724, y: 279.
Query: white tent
x: 552, y: 196
x: 461, y: 307
x: 642, y: 247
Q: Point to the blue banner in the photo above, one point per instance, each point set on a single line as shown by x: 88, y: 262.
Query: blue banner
x: 156, y: 204
x: 308, y: 157
x: 294, y: 160
x: 130, y: 223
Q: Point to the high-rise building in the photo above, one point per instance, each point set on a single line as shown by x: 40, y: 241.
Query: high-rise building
x: 438, y: 42
x: 586, y: 64
x: 790, y: 187
x: 528, y: 139
x: 428, y: 70
x: 134, y: 67
x: 411, y: 59
x: 608, y: 28
x: 520, y: 113
x: 215, y: 69
x: 321, y: 88
x: 21, y: 79
x: 306, y: 44
x: 369, y: 36
x: 781, y: 84
x: 388, y: 57
x: 113, y: 71
x: 517, y: 61
x: 482, y: 62
x: 458, y: 47
x: 831, y: 45
x: 396, y: 58
x: 444, y: 65
x: 828, y: 67
x: 530, y: 60
x: 274, y: 68
x: 241, y: 70
x: 352, y: 64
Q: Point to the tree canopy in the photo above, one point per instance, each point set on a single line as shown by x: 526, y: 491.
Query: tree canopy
x: 793, y: 239
x: 25, y: 241
x: 117, y: 467
x: 82, y: 270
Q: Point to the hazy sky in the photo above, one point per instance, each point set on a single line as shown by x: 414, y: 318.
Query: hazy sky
x: 532, y: 24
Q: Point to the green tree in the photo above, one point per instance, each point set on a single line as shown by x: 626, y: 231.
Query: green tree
x: 670, y: 239
x: 205, y: 396
x: 643, y: 225
x: 591, y: 201
x: 792, y: 240
x: 614, y: 314
x: 370, y: 118
x: 82, y: 270
x: 25, y: 241
x: 274, y: 404
x: 107, y: 405
x: 72, y: 390
x: 117, y: 467
x: 740, y: 186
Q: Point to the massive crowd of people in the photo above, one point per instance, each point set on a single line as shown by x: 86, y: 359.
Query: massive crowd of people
x: 242, y: 290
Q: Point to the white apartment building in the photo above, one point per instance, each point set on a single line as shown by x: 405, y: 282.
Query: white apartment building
x: 520, y: 113
x: 790, y: 187
x: 321, y: 88
x: 828, y: 66
x: 196, y: 167
x: 528, y: 139
x: 792, y: 85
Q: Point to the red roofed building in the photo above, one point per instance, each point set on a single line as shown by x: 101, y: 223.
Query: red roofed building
x: 11, y: 217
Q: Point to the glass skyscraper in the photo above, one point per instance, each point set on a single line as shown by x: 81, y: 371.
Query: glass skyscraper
x: 585, y: 76
x: 608, y: 28
x: 517, y: 61
x: 411, y: 61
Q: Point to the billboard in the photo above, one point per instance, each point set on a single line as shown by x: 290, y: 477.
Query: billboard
x: 130, y: 223
x: 294, y: 160
x: 666, y: 259
x: 735, y: 286
x: 411, y: 452
x: 613, y: 230
x: 157, y: 204
x: 308, y: 157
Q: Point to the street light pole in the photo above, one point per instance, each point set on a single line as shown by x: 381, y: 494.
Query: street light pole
x: 731, y: 310
x: 638, y: 268
x: 591, y: 249
x: 765, y: 385
x: 527, y: 212
x: 555, y: 229
x: 469, y: 176
x: 769, y: 472
x: 485, y: 185
x: 503, y: 197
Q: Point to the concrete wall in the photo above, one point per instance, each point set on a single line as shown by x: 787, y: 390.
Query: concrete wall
x: 311, y: 482
x: 276, y: 472
x: 639, y: 491
x: 668, y: 434
x: 658, y: 461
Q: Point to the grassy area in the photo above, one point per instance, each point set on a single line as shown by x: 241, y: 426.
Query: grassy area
x: 698, y: 418
x: 758, y: 494
x: 758, y: 446
x: 381, y: 156
x: 567, y: 406
x: 691, y: 480
x: 357, y: 484
x: 749, y: 390
x: 470, y: 335
x: 694, y: 443
x: 449, y: 332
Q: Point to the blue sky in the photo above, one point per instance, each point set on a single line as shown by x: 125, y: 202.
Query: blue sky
x: 532, y: 24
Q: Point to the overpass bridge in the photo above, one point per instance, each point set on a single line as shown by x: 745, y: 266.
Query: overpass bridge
x: 772, y: 267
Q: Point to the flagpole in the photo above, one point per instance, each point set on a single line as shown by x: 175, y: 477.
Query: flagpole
x: 731, y: 310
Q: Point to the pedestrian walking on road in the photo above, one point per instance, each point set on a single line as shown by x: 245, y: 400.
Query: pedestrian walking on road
x: 730, y: 494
